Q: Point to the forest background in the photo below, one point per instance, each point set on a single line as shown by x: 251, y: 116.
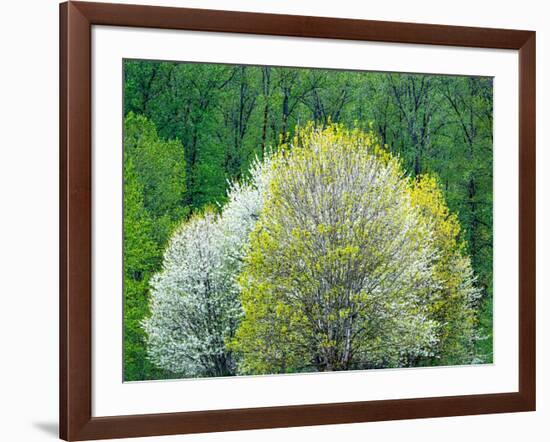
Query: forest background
x: 199, y: 126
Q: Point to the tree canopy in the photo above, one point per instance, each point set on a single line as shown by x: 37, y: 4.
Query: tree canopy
x: 154, y: 186
x: 328, y: 258
x: 351, y: 264
x: 193, y: 132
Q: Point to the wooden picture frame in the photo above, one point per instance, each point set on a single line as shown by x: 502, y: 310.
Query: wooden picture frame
x: 76, y: 21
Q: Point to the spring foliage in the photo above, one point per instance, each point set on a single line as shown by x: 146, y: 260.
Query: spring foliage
x: 140, y: 260
x: 154, y: 185
x: 328, y: 258
x: 191, y: 129
x: 351, y: 264
x: 455, y: 296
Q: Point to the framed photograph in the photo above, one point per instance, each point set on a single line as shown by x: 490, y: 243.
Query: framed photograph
x: 274, y: 220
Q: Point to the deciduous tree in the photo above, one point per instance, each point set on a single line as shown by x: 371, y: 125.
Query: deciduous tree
x: 195, y: 307
x: 340, y: 272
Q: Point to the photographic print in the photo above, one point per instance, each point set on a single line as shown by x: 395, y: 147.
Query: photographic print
x: 282, y: 220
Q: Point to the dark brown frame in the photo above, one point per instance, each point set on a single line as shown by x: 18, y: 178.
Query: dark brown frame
x: 76, y: 421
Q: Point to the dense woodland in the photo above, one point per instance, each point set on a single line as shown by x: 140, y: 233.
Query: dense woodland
x: 190, y: 129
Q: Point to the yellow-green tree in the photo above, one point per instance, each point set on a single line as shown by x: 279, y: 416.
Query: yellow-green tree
x: 454, y: 300
x: 351, y: 265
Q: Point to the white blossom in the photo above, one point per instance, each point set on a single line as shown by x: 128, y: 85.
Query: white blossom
x: 194, y: 299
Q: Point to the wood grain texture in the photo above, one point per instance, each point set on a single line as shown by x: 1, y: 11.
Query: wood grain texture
x: 527, y: 220
x: 76, y: 211
x: 63, y: 301
x: 76, y: 421
x: 299, y: 26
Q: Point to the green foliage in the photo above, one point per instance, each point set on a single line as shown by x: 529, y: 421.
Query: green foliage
x: 160, y: 169
x: 226, y: 115
x: 219, y: 118
x: 154, y: 189
x: 140, y: 260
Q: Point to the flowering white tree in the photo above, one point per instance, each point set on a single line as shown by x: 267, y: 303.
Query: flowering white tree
x: 195, y: 308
